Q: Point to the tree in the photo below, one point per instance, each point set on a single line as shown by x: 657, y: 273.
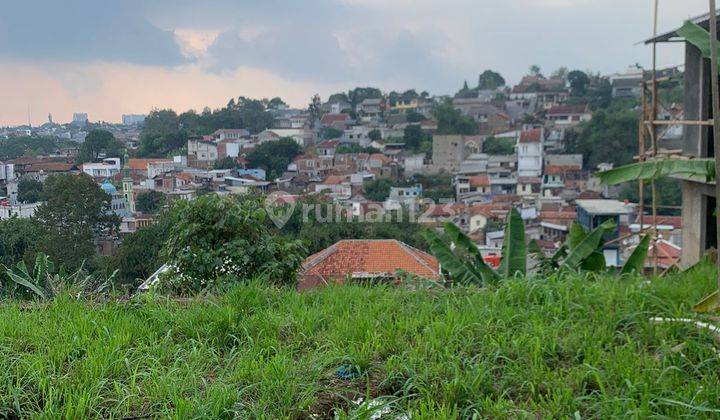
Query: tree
x: 99, y: 142
x: 414, y: 117
x: 578, y: 82
x: 328, y: 133
x: 610, y: 136
x: 451, y: 121
x: 30, y: 191
x: 150, y: 201
x: 359, y: 94
x: 216, y: 241
x: 377, y: 190
x: 138, y: 256
x: 75, y: 212
x: 490, y: 80
x: 414, y: 136
x: 314, y: 108
x: 226, y: 163
x: 274, y: 156
x: 560, y: 73
x: 535, y: 70
x: 498, y: 146
x: 375, y: 135
x: 276, y: 103
x: 18, y: 240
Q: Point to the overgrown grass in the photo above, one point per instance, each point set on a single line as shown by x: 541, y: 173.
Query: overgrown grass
x: 554, y: 347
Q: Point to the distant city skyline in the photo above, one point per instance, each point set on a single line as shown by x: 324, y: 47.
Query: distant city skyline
x: 107, y: 59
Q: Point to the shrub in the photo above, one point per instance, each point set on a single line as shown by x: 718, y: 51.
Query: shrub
x: 220, y: 240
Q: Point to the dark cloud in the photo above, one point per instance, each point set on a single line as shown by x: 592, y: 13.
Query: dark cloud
x: 80, y: 30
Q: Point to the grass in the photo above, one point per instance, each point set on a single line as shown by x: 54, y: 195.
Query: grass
x: 556, y: 347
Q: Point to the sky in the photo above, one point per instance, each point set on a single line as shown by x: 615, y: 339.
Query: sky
x: 114, y: 57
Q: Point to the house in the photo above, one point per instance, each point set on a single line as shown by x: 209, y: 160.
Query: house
x: 528, y: 185
x: 371, y: 109
x: 699, y: 199
x: 475, y: 186
x: 568, y: 115
x: 22, y: 211
x: 592, y: 213
x: 530, y: 153
x: 350, y: 261
x: 337, y: 121
x: 628, y: 84
x: 303, y: 137
x: 230, y: 134
x: 327, y: 148
x: 448, y: 152
x: 408, y: 197
x: 105, y: 169
x: 337, y: 186
x: 201, y: 153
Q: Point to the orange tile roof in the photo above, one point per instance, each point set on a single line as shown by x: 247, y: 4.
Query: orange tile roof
x: 531, y: 136
x: 561, y: 169
x: 335, y: 180
x: 368, y: 259
x: 479, y: 181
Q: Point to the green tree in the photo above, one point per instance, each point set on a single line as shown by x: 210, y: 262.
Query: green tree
x: 375, y: 135
x: 138, y: 256
x: 414, y: 136
x: 328, y: 133
x: 414, y: 117
x: 451, y: 121
x: 578, y: 82
x: 150, y: 201
x: 490, y: 80
x: 226, y: 163
x: 19, y: 239
x: 498, y: 146
x: 377, y: 190
x: 216, y: 241
x: 610, y: 136
x: 98, y: 142
x: 535, y: 70
x: 314, y: 108
x: 75, y: 213
x: 30, y: 191
x: 274, y: 156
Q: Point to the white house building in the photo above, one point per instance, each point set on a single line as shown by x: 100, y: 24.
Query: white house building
x: 105, y: 169
x: 530, y: 153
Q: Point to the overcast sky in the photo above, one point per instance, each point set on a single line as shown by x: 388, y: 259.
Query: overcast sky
x: 110, y: 57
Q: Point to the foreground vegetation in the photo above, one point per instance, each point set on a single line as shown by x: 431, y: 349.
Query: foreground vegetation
x: 554, y: 347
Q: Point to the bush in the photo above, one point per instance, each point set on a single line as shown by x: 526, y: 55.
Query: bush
x: 220, y: 240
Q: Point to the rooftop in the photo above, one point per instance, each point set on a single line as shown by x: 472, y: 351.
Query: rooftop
x: 604, y: 207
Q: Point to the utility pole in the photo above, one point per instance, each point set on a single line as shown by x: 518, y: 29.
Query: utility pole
x: 716, y: 121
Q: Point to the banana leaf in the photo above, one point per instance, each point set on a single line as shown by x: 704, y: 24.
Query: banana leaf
x: 709, y: 304
x: 588, y: 245
x: 698, y: 36
x: 636, y: 262
x: 514, y: 251
x: 459, y: 270
x: 576, y: 235
x: 462, y: 241
x: 594, y: 262
x: 695, y: 168
x: 24, y: 280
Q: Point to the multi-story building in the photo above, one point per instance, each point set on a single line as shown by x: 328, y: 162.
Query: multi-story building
x: 448, y: 152
x: 530, y: 153
x: 105, y: 169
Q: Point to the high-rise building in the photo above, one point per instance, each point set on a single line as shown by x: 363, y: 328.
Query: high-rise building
x: 80, y: 118
x: 133, y: 119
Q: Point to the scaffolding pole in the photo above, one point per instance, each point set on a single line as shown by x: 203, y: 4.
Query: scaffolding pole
x: 716, y: 120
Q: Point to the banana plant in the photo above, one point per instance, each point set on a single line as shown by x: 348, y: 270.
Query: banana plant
x: 701, y: 169
x: 47, y: 284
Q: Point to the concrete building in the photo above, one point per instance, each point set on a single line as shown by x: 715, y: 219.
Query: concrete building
x: 105, y: 169
x: 530, y: 153
x: 201, y: 153
x: 448, y: 152
x: 699, y: 200
x: 593, y: 213
x: 133, y: 119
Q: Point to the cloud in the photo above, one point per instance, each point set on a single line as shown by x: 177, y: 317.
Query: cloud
x: 83, y: 30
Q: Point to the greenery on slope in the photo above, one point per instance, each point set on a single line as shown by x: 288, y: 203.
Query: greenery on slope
x: 545, y: 348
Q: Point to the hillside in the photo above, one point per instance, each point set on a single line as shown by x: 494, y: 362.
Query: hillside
x: 555, y: 347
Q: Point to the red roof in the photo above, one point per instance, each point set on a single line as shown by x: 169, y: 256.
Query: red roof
x: 479, y: 181
x: 668, y: 254
x: 561, y: 169
x: 531, y: 136
x: 447, y: 210
x: 335, y: 180
x: 330, y: 119
x: 567, y: 110
x: 367, y: 259
x: 327, y: 144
